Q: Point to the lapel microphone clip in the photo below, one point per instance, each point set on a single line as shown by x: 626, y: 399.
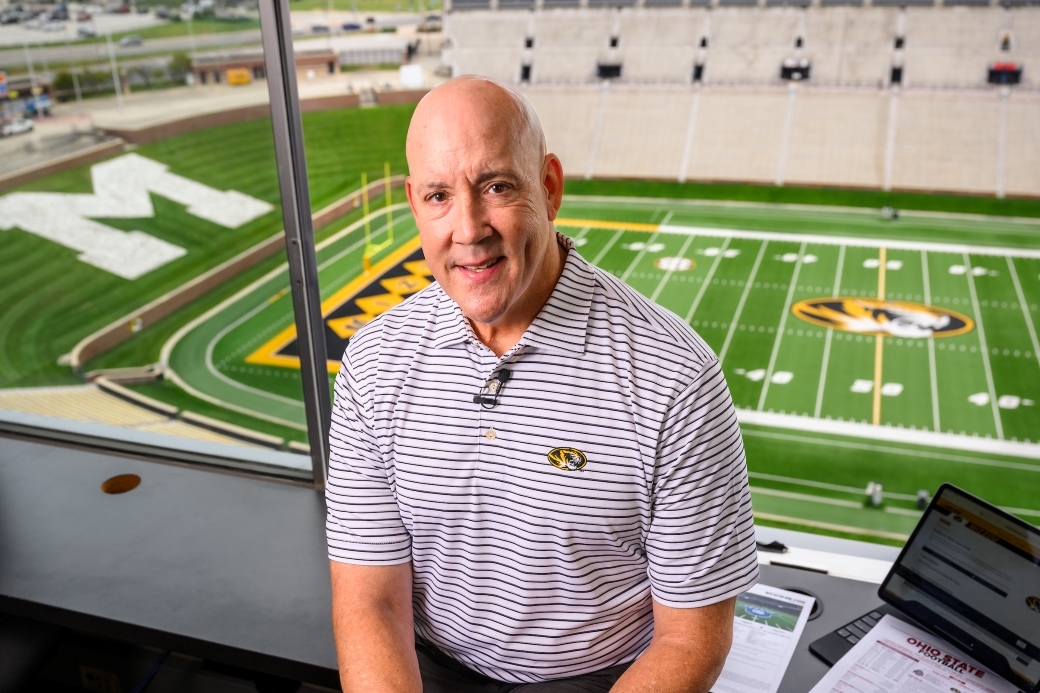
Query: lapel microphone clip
x: 493, y: 389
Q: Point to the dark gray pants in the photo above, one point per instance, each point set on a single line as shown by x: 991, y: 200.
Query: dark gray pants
x: 442, y: 674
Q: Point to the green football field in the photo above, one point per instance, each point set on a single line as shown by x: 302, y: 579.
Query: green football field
x: 948, y: 391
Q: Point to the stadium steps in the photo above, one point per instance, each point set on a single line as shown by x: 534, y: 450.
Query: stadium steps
x: 91, y: 404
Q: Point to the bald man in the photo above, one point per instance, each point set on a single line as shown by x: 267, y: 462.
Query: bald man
x: 537, y: 483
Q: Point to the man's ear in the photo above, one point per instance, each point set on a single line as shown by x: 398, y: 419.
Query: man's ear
x: 408, y: 191
x: 552, y: 183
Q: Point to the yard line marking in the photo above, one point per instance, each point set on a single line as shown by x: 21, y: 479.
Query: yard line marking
x: 743, y: 300
x: 581, y: 234
x: 869, y: 447
x: 707, y: 280
x: 770, y: 517
x: 931, y: 343
x: 879, y: 339
x: 668, y: 273
x: 814, y: 239
x: 805, y: 497
x: 852, y: 490
x: 1025, y: 309
x: 783, y: 324
x: 830, y: 336
x: 667, y: 218
x: 639, y: 256
x: 608, y: 225
x: 982, y: 345
x: 607, y: 247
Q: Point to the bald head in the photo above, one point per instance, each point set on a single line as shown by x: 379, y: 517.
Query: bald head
x: 484, y: 194
x: 481, y: 108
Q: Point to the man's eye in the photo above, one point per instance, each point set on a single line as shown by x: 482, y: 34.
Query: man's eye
x: 438, y: 197
x: 498, y: 188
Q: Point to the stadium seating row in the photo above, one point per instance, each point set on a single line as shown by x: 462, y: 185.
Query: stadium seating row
x: 974, y: 142
x: 846, y: 46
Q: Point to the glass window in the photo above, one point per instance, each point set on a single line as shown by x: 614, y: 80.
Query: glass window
x: 142, y: 267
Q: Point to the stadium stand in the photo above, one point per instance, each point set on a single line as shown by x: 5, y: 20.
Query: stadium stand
x: 825, y: 122
x: 569, y: 118
x: 946, y: 141
x: 850, y: 46
x: 951, y: 46
x: 748, y: 46
x: 890, y: 96
x: 643, y: 132
x: 737, y: 135
x: 1023, y: 173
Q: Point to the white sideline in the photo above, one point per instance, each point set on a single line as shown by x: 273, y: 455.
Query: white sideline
x: 989, y: 446
x: 851, y: 241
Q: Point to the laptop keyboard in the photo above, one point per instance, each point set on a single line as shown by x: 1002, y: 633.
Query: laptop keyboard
x: 852, y: 632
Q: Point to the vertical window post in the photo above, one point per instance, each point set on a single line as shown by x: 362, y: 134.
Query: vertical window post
x: 280, y: 65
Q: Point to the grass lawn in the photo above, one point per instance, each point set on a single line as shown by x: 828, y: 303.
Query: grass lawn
x: 51, y: 300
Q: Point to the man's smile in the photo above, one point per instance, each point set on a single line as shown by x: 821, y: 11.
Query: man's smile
x: 482, y: 268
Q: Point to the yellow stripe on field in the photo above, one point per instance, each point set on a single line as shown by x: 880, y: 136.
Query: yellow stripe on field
x: 614, y: 225
x: 879, y: 338
x: 769, y: 517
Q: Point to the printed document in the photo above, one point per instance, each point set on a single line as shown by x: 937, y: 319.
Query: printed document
x: 895, y: 657
x: 767, y: 623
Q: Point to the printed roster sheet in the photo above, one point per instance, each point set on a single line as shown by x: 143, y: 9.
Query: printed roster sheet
x: 895, y: 657
x: 767, y: 623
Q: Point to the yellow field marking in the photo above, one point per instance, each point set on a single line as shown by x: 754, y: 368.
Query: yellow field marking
x: 267, y: 355
x: 831, y: 526
x: 278, y: 295
x: 614, y: 225
x: 879, y: 338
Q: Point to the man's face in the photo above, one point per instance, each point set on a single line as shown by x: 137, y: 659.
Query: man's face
x: 478, y: 198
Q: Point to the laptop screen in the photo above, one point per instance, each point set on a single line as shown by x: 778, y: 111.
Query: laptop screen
x: 971, y: 573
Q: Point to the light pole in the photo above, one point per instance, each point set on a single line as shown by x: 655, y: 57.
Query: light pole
x: 115, y: 72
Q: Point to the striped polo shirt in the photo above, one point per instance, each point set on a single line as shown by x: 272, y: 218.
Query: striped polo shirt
x: 610, y: 470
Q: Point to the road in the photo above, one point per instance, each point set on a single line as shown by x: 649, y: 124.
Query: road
x: 86, y: 51
x: 15, y: 57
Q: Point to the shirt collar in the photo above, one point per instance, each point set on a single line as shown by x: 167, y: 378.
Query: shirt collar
x: 561, y: 325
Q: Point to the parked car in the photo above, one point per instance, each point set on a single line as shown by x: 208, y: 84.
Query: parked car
x: 319, y: 29
x: 162, y: 11
x: 60, y: 12
x: 16, y: 126
x: 122, y: 9
x: 131, y: 40
x: 86, y: 32
x: 33, y: 24
x: 83, y: 16
x: 53, y: 25
x: 40, y: 105
x: 141, y: 9
x: 351, y: 26
x: 10, y: 18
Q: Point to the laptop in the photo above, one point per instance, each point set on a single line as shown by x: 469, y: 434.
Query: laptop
x: 970, y: 573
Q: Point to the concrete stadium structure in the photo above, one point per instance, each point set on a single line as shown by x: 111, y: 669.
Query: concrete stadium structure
x: 915, y: 98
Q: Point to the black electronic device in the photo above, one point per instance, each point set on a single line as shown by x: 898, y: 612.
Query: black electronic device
x: 493, y: 389
x: 970, y: 573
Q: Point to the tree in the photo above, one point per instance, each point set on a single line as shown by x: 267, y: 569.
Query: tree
x: 180, y: 65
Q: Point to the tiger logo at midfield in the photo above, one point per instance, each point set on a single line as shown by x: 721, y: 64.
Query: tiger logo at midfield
x: 893, y: 318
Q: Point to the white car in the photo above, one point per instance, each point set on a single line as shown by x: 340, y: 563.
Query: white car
x: 54, y: 26
x: 16, y: 127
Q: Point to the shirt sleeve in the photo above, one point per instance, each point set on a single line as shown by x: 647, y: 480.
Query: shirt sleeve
x: 363, y: 525
x: 701, y: 543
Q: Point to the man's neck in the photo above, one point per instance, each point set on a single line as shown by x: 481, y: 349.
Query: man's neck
x: 503, y: 334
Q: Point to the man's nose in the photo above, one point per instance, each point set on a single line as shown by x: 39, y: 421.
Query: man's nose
x: 471, y: 220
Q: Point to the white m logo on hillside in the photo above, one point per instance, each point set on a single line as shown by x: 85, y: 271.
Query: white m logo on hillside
x: 121, y: 190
